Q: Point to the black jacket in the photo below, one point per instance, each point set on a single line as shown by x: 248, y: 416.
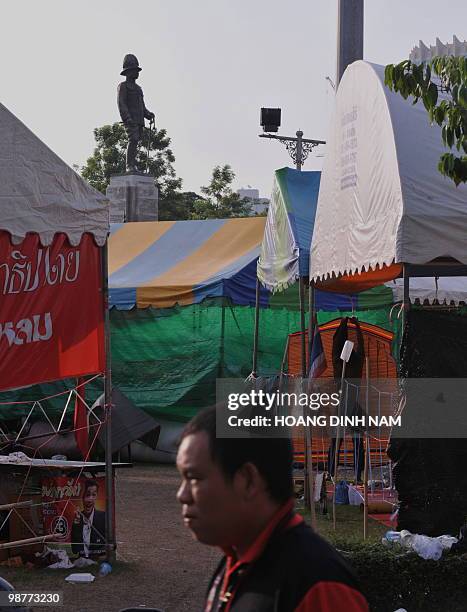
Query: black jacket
x: 297, y: 571
x: 97, y: 544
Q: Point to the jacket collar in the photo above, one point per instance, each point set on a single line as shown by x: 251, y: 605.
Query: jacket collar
x: 284, y: 514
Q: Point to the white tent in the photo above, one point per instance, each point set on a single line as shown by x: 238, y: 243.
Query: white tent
x: 427, y: 289
x: 40, y: 194
x: 382, y: 200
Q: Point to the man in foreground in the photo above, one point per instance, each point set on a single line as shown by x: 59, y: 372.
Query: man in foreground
x: 238, y: 494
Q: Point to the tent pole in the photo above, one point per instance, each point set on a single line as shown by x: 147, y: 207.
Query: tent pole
x: 222, y: 346
x: 301, y: 297
x: 312, y: 317
x: 311, y: 334
x: 367, y: 452
x: 309, y: 485
x: 301, y: 289
x: 255, y: 339
x: 406, y: 299
x: 284, y: 360
x: 109, y: 474
x: 336, y: 450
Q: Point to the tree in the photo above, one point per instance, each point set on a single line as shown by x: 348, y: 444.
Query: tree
x: 220, y: 202
x: 109, y: 158
x: 446, y: 75
x: 178, y: 205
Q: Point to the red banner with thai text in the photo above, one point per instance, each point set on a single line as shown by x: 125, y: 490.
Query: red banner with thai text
x: 51, y: 310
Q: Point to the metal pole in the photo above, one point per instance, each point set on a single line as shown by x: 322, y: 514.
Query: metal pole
x: 284, y: 360
x: 222, y: 343
x: 336, y: 450
x: 109, y: 473
x: 406, y: 298
x: 311, y: 335
x: 311, y: 320
x: 255, y: 338
x: 38, y: 539
x: 309, y: 480
x: 301, y: 293
x: 299, y: 160
x: 367, y: 452
x: 350, y: 34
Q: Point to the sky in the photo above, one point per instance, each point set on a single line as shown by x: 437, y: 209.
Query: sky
x: 208, y: 68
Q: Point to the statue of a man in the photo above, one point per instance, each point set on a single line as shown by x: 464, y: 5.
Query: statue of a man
x: 132, y: 108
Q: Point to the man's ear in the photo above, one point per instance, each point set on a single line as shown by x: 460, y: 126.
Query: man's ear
x: 249, y: 481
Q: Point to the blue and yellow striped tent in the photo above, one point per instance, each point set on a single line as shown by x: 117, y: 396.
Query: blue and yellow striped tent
x: 183, y: 295
x: 164, y: 263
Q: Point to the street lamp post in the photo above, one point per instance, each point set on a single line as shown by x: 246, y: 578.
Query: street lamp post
x: 298, y: 147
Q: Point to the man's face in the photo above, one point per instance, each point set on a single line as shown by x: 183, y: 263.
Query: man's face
x: 211, y: 504
x: 89, y: 499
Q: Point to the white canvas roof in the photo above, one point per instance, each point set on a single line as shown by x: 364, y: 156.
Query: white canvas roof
x: 447, y: 290
x: 382, y: 199
x: 40, y: 194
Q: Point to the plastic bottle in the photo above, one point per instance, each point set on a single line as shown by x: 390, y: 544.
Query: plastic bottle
x: 390, y: 537
x: 104, y: 569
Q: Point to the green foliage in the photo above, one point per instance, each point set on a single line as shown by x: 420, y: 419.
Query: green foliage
x: 178, y: 205
x: 449, y: 111
x: 109, y: 158
x: 393, y: 578
x: 220, y: 201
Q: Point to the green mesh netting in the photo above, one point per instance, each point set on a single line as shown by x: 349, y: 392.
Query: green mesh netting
x: 167, y: 360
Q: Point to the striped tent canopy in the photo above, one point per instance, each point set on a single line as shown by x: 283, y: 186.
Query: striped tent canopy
x: 163, y: 263
x: 285, y: 250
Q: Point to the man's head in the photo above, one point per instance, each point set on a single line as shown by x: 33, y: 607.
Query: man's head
x: 230, y: 485
x: 90, y: 495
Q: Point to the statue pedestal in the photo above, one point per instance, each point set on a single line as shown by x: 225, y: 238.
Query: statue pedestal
x: 133, y: 197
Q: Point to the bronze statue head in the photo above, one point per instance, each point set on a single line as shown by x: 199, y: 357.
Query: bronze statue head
x: 131, y: 66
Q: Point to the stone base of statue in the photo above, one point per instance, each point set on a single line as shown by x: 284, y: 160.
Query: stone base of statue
x: 133, y: 197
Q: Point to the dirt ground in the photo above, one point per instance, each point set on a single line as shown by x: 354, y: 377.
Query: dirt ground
x: 159, y: 564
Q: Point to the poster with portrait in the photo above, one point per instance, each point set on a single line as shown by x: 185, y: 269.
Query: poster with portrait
x: 73, y: 509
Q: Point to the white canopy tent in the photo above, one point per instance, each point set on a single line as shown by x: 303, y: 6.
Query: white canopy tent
x: 430, y: 290
x: 382, y: 200
x: 41, y: 194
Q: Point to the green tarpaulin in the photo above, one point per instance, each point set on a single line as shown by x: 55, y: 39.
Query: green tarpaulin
x: 167, y: 360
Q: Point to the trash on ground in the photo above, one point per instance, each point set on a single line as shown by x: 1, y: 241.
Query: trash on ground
x: 80, y: 578
x: 424, y: 546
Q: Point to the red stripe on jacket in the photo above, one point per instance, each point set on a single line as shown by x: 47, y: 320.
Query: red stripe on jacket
x: 332, y: 597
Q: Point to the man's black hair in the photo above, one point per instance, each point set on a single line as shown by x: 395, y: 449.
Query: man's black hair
x: 88, y: 483
x: 272, y: 457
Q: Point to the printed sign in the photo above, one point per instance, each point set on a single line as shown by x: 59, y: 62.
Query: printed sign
x: 74, y: 510
x: 51, y: 310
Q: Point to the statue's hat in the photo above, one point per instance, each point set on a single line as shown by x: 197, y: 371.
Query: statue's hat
x: 130, y: 62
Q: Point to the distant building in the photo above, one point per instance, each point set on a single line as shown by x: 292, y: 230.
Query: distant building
x: 258, y: 205
x: 423, y: 53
